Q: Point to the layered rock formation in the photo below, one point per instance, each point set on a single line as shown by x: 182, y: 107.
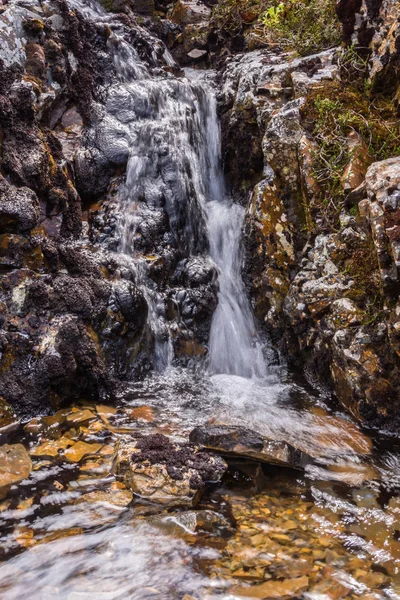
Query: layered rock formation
x: 321, y: 227
x: 64, y: 314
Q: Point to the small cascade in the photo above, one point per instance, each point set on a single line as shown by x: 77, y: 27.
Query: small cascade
x: 174, y: 182
x: 234, y: 345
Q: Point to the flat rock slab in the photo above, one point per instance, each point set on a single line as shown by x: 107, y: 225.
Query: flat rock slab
x: 238, y: 441
x: 15, y: 465
x: 164, y: 472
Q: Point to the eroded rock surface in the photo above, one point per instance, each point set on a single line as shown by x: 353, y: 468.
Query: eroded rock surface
x: 327, y: 294
x: 236, y: 441
x: 170, y: 474
x: 15, y: 465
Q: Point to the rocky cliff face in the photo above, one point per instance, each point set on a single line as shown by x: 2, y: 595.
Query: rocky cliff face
x: 74, y: 320
x: 322, y: 222
x: 68, y: 326
x: 311, y: 147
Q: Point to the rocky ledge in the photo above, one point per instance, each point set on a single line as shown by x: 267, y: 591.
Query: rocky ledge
x: 163, y: 472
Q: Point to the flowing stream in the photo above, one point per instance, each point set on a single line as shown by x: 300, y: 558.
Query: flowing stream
x: 70, y: 532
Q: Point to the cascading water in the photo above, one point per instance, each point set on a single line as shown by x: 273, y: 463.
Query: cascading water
x: 175, y: 166
x: 70, y: 530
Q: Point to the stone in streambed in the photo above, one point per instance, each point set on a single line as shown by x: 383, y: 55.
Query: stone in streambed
x: 15, y: 465
x: 197, y: 55
x: 238, y: 441
x: 164, y: 472
x: 287, y: 588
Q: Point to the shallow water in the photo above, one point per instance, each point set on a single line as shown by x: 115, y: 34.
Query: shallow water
x: 71, y: 531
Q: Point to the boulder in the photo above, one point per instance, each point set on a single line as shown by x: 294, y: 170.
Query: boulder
x: 382, y: 209
x: 15, y: 465
x: 187, y: 12
x: 165, y: 472
x: 19, y: 209
x: 238, y: 441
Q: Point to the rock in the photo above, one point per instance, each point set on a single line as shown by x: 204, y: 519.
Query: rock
x: 113, y: 497
x: 360, y: 159
x: 52, y: 448
x: 192, y: 521
x: 170, y: 474
x: 287, y: 588
x: 35, y: 60
x: 383, y: 212
x: 77, y: 451
x: 374, y: 27
x: 146, y: 413
x: 187, y: 12
x: 270, y: 245
x: 237, y: 441
x: 76, y: 417
x: 197, y: 55
x: 19, y: 208
x: 15, y: 465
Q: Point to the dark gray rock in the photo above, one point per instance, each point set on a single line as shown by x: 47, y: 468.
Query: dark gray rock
x: 238, y: 441
x: 19, y: 209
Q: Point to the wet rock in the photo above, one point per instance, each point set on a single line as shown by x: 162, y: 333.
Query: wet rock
x: 15, y: 465
x: 192, y: 521
x: 287, y: 588
x: 114, y: 497
x: 170, y: 474
x: 52, y: 448
x: 187, y: 12
x: 19, y: 208
x: 131, y: 303
x: 80, y: 450
x: 237, y: 441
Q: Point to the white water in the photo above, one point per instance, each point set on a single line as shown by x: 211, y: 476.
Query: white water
x: 234, y: 346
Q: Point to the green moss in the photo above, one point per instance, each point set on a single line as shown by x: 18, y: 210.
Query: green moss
x: 330, y: 114
x: 362, y: 267
x: 305, y: 26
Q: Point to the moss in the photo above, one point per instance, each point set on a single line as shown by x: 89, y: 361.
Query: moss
x: 305, y: 26
x: 363, y: 268
x: 330, y: 114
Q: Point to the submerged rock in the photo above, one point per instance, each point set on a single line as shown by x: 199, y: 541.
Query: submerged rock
x: 238, y: 441
x: 164, y: 472
x: 288, y: 588
x: 15, y: 465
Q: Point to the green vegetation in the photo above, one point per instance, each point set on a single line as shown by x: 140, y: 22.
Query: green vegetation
x: 331, y: 114
x: 362, y: 266
x: 304, y: 26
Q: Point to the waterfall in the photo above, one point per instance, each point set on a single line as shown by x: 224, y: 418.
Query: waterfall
x: 174, y: 172
x: 234, y: 347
